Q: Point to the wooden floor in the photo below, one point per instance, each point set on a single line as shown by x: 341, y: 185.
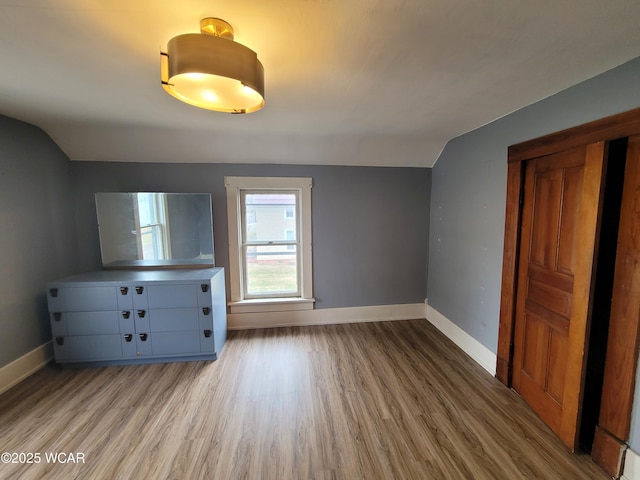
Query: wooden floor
x: 392, y: 400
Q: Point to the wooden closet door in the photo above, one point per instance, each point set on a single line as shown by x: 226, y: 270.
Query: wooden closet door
x: 623, y: 340
x: 560, y: 219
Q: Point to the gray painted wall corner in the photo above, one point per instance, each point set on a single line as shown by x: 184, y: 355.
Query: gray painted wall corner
x: 37, y: 233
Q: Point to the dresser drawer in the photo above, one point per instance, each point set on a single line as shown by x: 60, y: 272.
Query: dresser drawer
x: 207, y: 340
x: 85, y: 323
x: 205, y: 295
x: 173, y: 319
x: 124, y: 295
x: 136, y: 345
x: 205, y: 317
x: 87, y: 347
x: 82, y: 299
x: 175, y: 343
x: 172, y: 296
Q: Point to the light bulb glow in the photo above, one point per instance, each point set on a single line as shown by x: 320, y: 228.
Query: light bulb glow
x: 247, y: 90
x: 213, y: 92
x: 210, y: 96
x: 195, y: 76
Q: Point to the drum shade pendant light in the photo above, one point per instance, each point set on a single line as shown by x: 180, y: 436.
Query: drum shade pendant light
x: 209, y: 70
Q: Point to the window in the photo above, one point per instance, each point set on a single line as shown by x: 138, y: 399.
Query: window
x: 269, y: 243
x: 151, y: 226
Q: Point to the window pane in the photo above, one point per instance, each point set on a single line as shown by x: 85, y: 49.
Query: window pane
x: 152, y: 243
x: 148, y: 209
x: 271, y: 269
x: 267, y: 217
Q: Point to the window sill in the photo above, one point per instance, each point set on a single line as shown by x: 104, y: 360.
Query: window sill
x: 271, y: 305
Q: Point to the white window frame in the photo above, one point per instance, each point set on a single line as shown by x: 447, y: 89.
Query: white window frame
x: 235, y: 186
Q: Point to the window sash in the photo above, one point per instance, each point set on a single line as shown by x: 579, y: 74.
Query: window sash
x: 245, y: 244
x: 275, y: 293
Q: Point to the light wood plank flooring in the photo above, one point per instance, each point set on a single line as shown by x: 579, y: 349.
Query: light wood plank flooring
x: 390, y: 400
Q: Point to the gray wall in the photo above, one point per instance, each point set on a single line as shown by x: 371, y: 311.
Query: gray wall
x: 37, y: 237
x: 370, y: 225
x: 468, y: 199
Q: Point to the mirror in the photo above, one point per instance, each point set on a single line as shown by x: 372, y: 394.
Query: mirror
x: 147, y: 229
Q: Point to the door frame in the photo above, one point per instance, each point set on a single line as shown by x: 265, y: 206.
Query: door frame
x: 615, y: 415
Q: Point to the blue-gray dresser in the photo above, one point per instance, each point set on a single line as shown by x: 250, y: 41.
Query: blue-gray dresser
x: 118, y: 317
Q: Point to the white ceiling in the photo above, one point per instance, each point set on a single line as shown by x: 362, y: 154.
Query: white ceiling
x: 348, y: 82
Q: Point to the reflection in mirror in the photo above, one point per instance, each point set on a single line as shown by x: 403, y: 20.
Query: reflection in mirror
x: 146, y: 229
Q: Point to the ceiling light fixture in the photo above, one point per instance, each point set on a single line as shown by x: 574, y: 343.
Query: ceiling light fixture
x: 209, y: 70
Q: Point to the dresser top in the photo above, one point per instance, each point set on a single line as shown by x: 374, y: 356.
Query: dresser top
x: 115, y: 277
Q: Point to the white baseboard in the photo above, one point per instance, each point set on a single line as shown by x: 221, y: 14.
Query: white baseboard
x: 325, y: 316
x: 478, y: 352
x: 16, y: 371
x: 631, y: 470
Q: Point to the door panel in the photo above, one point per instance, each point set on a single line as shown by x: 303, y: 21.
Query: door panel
x: 557, y: 356
x: 570, y: 208
x: 624, y: 336
x: 560, y: 217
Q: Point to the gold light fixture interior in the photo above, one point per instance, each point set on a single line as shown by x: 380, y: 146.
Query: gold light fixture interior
x: 210, y: 70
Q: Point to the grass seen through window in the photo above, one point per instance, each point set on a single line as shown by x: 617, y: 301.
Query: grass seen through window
x: 268, y: 278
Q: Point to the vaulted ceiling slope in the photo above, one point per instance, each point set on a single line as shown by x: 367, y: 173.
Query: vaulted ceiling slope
x: 348, y: 82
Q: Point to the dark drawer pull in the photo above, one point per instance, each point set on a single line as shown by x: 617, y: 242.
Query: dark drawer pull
x: 139, y: 290
x: 142, y: 313
x: 126, y: 314
x: 143, y: 337
x: 57, y: 316
x: 206, y: 310
x: 204, y: 287
x: 60, y: 340
x: 124, y: 290
x: 128, y: 337
x: 53, y: 292
x: 207, y: 333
